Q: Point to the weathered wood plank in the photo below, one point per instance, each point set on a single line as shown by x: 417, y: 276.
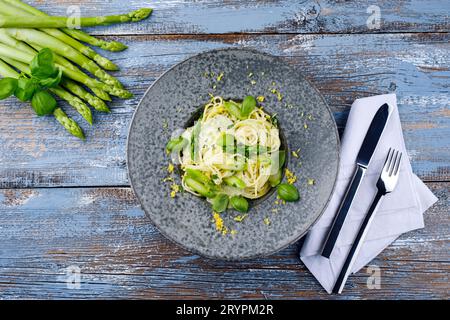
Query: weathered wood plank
x: 36, y: 152
x: 121, y: 255
x: 308, y: 16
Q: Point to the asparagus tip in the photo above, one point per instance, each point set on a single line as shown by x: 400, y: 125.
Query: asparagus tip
x: 121, y: 93
x: 104, y: 109
x: 140, y: 14
x: 113, y: 46
x: 110, y: 66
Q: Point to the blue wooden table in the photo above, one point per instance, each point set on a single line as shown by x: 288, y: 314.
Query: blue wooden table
x: 66, y: 205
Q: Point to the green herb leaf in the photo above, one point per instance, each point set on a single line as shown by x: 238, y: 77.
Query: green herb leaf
x: 248, y: 105
x: 220, y: 203
x: 275, y: 179
x: 234, y: 109
x: 281, y: 158
x: 25, y: 89
x: 239, y: 203
x: 287, y: 192
x: 43, y: 103
x: 42, y: 66
x: 7, y: 87
x: 51, y: 82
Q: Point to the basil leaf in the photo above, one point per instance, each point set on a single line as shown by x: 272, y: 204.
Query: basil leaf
x: 7, y: 87
x: 51, y: 82
x: 43, y: 103
x: 25, y: 89
x: 42, y: 65
x: 239, y: 203
x: 220, y: 203
x: 248, y: 105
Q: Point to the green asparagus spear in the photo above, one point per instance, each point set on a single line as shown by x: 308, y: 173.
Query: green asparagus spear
x: 5, y: 38
x: 21, y: 56
x: 105, y: 63
x: 101, y: 94
x: 69, y: 124
x: 61, y: 48
x: 94, y: 101
x: 199, y: 187
x: 77, y: 34
x: 235, y: 182
x: 98, y: 105
x: 76, y: 103
x: 114, y: 46
x: 64, y: 22
x: 11, y: 10
x: 64, y: 62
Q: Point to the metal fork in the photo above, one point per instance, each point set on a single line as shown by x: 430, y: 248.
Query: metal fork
x: 386, y: 184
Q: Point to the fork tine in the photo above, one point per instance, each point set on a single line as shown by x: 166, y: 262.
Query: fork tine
x: 388, y: 160
x: 391, y: 169
x: 397, y: 166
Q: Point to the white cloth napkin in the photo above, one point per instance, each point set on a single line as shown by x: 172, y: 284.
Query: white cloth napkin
x: 400, y: 211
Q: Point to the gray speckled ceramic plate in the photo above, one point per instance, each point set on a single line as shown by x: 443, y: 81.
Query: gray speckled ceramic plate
x: 305, y: 121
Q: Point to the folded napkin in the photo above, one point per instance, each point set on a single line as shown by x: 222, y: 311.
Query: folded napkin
x: 399, y: 212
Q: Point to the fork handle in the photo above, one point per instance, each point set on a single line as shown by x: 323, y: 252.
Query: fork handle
x: 357, y: 243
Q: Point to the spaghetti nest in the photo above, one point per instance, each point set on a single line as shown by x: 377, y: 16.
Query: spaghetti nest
x: 233, y: 149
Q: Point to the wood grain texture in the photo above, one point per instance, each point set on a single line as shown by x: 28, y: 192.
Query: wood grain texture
x: 270, y: 16
x: 121, y: 255
x: 36, y: 152
x: 90, y: 218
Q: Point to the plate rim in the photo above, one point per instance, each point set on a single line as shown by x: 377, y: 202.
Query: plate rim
x: 255, y: 256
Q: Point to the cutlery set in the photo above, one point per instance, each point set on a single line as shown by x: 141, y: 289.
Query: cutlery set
x: 386, y: 183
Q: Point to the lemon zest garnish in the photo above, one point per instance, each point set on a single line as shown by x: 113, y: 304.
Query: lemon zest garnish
x: 260, y: 98
x: 170, y: 168
x: 220, y: 77
x: 294, y: 154
x: 240, y: 218
x: 175, y: 189
x: 311, y: 182
x: 290, y: 176
x: 267, y: 221
x: 233, y: 232
x: 218, y: 221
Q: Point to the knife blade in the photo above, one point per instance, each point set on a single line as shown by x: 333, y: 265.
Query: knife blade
x: 363, y: 158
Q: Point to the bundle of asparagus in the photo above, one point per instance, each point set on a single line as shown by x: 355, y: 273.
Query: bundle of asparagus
x: 27, y: 35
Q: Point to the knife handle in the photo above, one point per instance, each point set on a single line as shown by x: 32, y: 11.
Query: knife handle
x: 339, y: 219
x: 359, y: 239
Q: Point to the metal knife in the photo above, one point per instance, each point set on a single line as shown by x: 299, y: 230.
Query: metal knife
x: 362, y: 162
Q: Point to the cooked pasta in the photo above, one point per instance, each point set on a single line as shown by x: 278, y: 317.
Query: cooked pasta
x: 232, y: 150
